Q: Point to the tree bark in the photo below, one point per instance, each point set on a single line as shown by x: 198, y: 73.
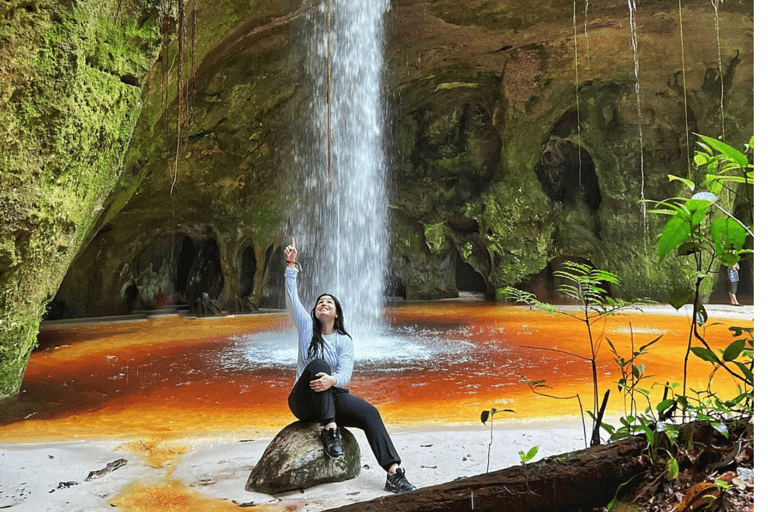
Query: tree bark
x: 572, y: 482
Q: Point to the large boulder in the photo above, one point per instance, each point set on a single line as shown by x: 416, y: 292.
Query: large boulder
x: 295, y: 460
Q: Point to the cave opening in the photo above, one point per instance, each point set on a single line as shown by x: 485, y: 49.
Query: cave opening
x: 211, y: 277
x: 248, y: 266
x: 468, y: 279
x: 198, y: 267
x: 131, y: 296
x: 184, y: 263
x: 567, y: 174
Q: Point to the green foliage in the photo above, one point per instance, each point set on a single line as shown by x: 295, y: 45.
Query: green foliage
x: 526, y: 457
x: 484, y: 417
x: 699, y: 226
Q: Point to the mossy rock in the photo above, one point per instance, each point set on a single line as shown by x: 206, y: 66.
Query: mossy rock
x: 295, y: 460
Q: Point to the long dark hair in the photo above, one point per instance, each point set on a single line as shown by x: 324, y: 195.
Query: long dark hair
x: 317, y: 344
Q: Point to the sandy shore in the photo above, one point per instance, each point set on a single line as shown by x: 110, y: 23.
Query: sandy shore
x: 210, y: 474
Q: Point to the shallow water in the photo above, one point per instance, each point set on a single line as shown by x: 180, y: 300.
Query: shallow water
x: 438, y: 363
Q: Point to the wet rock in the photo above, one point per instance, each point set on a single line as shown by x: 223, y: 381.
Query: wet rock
x: 295, y: 460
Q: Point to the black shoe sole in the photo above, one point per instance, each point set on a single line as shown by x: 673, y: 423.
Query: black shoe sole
x: 331, y: 456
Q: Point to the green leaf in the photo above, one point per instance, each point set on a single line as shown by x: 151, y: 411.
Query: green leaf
x: 664, y: 405
x: 672, y: 469
x: 688, y: 248
x: 681, y: 297
x: 746, y: 371
x: 733, y: 350
x: 705, y: 354
x: 687, y: 183
x: 698, y: 209
x: 732, y: 153
x: 485, y: 415
x: 699, y: 159
x: 527, y: 456
x: 675, y: 231
x: 729, y: 237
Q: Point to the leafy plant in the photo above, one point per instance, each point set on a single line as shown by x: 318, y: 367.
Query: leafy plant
x: 632, y: 373
x: 701, y: 229
x: 485, y: 416
x: 589, y: 287
x: 526, y: 457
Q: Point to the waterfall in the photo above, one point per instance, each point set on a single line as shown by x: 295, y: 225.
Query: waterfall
x: 339, y: 217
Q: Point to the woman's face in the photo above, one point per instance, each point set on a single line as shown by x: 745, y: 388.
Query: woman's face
x: 325, y: 309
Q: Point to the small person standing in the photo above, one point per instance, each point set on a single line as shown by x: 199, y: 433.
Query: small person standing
x: 733, y: 277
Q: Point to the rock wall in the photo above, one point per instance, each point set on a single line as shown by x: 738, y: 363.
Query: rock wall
x: 517, y: 141
x: 70, y: 77
x: 520, y: 137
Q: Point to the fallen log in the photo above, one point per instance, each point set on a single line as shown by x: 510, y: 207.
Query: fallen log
x: 575, y: 481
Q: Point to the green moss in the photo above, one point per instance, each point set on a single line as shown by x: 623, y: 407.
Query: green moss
x: 263, y: 222
x: 436, y: 237
x: 71, y: 123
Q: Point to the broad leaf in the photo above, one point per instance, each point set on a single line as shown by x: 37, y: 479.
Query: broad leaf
x: 686, y: 182
x: 698, y: 209
x: 732, y: 153
x: 672, y: 469
x: 705, y: 354
x: 664, y: 405
x: 733, y: 350
x: 746, y: 371
x: 705, y: 196
x: 675, y: 231
x: 681, y: 297
x: 729, y: 237
x: 688, y: 248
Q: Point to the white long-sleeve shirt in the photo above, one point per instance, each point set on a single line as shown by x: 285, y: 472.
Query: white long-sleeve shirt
x: 339, y: 349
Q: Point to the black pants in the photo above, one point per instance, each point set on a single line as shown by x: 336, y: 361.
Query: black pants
x: 340, y: 406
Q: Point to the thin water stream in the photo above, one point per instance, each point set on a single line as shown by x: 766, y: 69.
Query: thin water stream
x: 437, y: 363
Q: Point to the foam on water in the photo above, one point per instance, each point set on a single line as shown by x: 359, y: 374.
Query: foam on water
x: 395, y: 346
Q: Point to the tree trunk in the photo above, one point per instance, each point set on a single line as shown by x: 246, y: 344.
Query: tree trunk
x: 572, y: 482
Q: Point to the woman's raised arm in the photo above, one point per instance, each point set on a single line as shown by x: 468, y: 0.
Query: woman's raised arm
x: 290, y: 254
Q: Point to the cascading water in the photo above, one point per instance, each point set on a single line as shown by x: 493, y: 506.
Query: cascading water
x: 339, y: 219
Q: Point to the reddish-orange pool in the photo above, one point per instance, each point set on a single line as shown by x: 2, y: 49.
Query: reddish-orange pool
x: 179, y: 376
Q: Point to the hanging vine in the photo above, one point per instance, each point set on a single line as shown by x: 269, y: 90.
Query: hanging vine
x: 328, y: 89
x: 685, y: 88
x: 180, y: 89
x: 185, y: 78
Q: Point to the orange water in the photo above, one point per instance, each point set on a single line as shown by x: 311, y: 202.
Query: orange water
x: 163, y: 376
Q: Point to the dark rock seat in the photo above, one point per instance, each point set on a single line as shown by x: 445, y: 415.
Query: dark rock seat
x: 295, y: 460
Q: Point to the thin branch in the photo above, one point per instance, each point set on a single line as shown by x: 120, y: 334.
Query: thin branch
x: 557, y: 350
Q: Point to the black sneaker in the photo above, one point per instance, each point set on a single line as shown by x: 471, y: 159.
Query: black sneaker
x: 396, y: 482
x: 331, y: 438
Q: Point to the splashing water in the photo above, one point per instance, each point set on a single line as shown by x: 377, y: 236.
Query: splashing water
x: 339, y: 219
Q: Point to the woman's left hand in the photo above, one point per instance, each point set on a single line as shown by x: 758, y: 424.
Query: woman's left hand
x: 322, y: 383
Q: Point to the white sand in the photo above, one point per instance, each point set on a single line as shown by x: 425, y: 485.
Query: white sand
x: 31, y: 474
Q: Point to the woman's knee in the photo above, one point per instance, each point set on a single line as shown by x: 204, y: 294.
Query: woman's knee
x: 318, y: 366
